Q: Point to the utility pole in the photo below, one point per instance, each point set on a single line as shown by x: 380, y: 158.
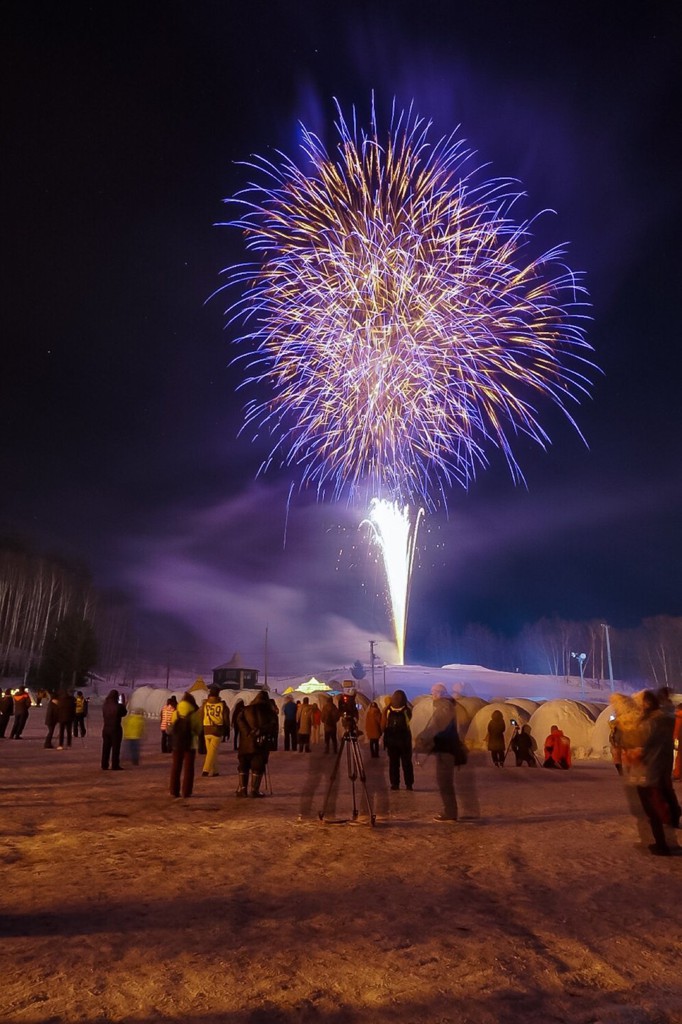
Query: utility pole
x: 608, y: 653
x: 266, y: 658
x: 581, y: 658
x: 372, y: 656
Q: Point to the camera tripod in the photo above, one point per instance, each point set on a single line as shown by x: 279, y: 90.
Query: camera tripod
x: 356, y: 770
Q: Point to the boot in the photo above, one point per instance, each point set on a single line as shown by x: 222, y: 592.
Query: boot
x: 243, y: 783
x: 255, y: 785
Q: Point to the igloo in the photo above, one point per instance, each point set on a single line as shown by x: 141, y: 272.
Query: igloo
x: 572, y: 718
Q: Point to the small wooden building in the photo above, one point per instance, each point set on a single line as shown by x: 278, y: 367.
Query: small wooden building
x: 233, y: 676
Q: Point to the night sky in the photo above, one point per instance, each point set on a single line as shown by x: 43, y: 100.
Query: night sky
x: 123, y: 128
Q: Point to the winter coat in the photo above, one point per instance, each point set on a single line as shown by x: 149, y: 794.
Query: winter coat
x: 395, y: 723
x: 186, y: 726
x: 112, y: 713
x: 522, y: 743
x: 558, y: 748
x: 216, y: 716
x: 51, y: 713
x: 256, y: 724
x: 305, y: 719
x: 167, y: 712
x: 373, y: 728
x: 441, y: 735
x: 495, y: 734
x: 66, y: 708
x: 22, y: 703
x: 134, y: 726
x: 657, y: 754
x: 330, y: 715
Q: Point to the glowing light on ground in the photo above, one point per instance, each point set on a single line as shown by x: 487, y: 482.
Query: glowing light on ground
x: 395, y: 532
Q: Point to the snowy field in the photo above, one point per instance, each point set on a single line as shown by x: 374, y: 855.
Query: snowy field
x: 120, y: 904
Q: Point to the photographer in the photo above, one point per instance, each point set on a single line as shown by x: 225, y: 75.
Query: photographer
x: 523, y: 745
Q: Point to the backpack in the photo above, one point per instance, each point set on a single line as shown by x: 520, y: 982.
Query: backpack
x: 397, y: 723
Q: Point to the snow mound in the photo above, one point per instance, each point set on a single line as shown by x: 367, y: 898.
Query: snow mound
x: 572, y: 718
x: 476, y: 733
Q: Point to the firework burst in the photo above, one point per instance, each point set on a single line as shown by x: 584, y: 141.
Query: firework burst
x: 392, y: 316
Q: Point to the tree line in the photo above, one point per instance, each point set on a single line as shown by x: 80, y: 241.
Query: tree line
x: 649, y: 654
x: 54, y: 627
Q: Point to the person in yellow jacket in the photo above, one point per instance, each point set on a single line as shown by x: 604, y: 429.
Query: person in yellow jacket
x: 216, y: 723
x: 133, y: 726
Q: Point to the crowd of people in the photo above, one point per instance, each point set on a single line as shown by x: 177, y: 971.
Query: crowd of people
x: 645, y: 740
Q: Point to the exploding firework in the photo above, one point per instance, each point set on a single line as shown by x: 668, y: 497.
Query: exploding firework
x: 395, y: 532
x: 396, y: 325
x: 393, y: 319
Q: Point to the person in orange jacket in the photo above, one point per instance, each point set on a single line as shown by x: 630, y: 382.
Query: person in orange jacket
x: 557, y: 749
x: 373, y: 728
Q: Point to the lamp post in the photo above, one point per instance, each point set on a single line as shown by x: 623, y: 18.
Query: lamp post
x: 581, y: 659
x: 608, y: 653
x: 372, y: 657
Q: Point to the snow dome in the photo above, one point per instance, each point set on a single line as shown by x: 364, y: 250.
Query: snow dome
x: 572, y: 718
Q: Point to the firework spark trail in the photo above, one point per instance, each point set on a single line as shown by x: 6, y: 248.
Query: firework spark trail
x: 396, y: 534
x: 397, y: 324
x: 393, y: 318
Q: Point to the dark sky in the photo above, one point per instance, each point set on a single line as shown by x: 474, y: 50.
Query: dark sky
x: 123, y: 125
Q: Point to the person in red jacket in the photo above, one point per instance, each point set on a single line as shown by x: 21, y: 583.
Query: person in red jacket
x: 22, y: 703
x: 557, y: 749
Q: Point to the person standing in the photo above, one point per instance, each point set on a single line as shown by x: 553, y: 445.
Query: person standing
x: 373, y: 728
x: 395, y: 724
x: 330, y: 715
x: 166, y: 722
x: 186, y: 730
x: 51, y: 719
x: 21, y: 706
x: 216, y: 722
x: 113, y: 712
x: 657, y: 765
x: 441, y: 738
x: 66, y: 710
x: 289, y: 715
x: 133, y: 733
x: 81, y: 713
x: 304, y: 724
x: 237, y: 711
x: 6, y: 708
x: 256, y: 724
x: 495, y: 738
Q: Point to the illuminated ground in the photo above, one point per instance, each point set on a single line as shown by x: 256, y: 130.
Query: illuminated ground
x: 123, y: 905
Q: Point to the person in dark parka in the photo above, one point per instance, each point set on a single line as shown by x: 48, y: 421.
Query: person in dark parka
x: 256, y: 724
x: 113, y: 711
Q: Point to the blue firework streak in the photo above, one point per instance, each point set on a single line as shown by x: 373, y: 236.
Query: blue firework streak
x: 393, y: 316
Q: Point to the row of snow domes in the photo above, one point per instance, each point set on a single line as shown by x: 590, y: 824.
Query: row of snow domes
x: 586, y: 724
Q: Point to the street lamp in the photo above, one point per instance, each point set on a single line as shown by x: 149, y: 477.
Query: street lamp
x: 581, y: 659
x: 608, y: 653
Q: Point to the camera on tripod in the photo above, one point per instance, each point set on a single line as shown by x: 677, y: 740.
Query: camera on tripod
x: 349, y: 724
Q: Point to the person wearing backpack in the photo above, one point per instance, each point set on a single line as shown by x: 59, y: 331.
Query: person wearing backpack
x: 216, y: 721
x: 256, y: 724
x: 395, y: 723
